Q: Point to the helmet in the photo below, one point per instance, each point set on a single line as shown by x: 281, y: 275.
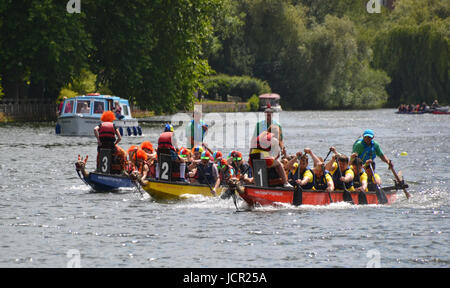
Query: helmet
x: 168, y: 128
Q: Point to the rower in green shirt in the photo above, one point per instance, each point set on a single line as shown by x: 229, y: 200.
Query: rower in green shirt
x: 367, y: 148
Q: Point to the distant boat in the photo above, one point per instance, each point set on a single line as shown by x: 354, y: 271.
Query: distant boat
x: 80, y: 115
x: 270, y: 98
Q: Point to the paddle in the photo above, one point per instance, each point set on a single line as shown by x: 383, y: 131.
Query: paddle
x: 323, y: 171
x: 346, y: 196
x: 391, y: 167
x: 381, y: 196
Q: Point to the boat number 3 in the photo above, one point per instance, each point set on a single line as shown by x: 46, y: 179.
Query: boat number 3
x: 105, y: 164
x: 165, y: 171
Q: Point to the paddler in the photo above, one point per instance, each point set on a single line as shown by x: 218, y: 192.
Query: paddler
x: 372, y: 179
x: 147, y: 147
x: 241, y: 169
x: 106, y: 133
x: 299, y: 172
x: 206, y: 172
x: 167, y: 145
x: 367, y: 148
x: 322, y: 178
x: 360, y: 180
x: 142, y: 167
x: 226, y: 173
x: 119, y: 161
x: 341, y: 172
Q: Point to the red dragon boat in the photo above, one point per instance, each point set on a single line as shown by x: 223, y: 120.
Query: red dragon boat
x: 255, y: 195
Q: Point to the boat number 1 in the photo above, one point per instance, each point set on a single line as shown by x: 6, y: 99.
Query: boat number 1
x: 165, y: 170
x: 105, y: 164
x: 260, y: 176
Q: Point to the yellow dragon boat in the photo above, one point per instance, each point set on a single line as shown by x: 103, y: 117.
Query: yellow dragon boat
x: 165, y: 190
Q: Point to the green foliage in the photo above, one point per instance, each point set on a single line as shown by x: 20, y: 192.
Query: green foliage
x: 253, y: 103
x: 414, y: 51
x: 150, y: 51
x: 41, y: 47
x: 241, y: 86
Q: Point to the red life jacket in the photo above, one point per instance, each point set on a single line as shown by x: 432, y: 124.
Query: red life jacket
x: 107, y: 132
x: 165, y: 141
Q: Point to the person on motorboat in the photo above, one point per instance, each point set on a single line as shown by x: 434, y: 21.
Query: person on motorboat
x: 340, y: 171
x: 108, y: 136
x: 167, y: 144
x: 206, y: 172
x: 266, y: 146
x: 241, y: 169
x: 118, y: 111
x: 299, y: 172
x: 367, y: 148
x: 360, y: 179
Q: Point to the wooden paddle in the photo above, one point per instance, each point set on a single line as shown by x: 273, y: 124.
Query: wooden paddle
x: 381, y: 196
x: 323, y: 171
x: 391, y: 167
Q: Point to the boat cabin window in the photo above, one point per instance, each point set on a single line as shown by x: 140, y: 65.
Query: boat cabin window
x: 125, y: 109
x: 84, y: 107
x: 68, y: 108
x: 99, y: 107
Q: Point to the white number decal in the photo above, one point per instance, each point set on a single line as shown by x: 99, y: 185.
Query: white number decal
x: 165, y: 171
x: 105, y: 164
x: 260, y: 176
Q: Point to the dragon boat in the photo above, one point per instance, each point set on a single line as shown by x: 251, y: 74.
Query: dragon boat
x: 100, y: 181
x: 170, y: 190
x: 255, y: 195
x: 262, y: 193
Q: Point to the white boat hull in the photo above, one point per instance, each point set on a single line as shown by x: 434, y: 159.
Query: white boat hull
x: 80, y: 125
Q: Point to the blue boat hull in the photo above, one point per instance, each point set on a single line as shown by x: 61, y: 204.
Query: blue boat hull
x: 107, y: 182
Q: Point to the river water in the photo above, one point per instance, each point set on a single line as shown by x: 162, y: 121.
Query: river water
x: 49, y: 218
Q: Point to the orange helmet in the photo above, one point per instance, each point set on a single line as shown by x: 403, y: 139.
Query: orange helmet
x: 108, y: 116
x: 141, y: 155
x: 147, y: 145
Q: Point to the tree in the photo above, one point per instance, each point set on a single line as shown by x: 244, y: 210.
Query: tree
x: 41, y: 48
x: 150, y: 52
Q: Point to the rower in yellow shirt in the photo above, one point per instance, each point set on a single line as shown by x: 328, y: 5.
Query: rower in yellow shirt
x: 372, y: 179
x: 360, y: 180
x: 342, y: 176
x: 299, y: 172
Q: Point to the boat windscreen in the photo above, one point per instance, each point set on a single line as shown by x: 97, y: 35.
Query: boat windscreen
x: 84, y: 106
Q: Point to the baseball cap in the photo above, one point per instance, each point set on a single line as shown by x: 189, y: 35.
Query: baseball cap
x: 368, y: 133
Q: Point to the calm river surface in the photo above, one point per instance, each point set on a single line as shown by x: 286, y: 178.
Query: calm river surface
x: 46, y: 212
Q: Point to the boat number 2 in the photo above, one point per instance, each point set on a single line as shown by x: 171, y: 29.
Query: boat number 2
x: 105, y: 164
x: 165, y: 171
